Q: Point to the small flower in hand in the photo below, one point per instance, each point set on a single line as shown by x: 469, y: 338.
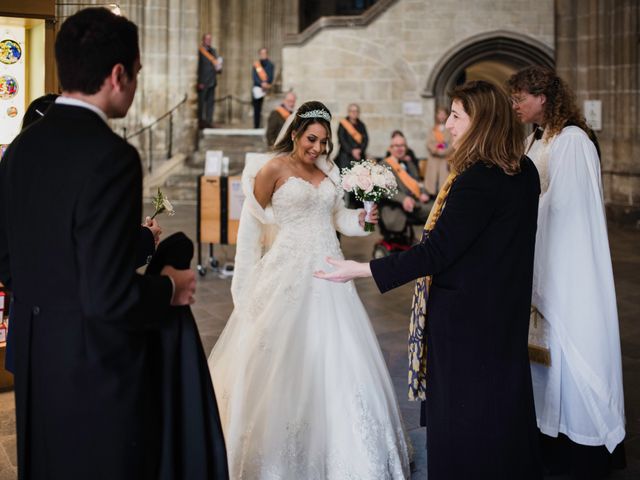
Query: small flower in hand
x: 161, y: 203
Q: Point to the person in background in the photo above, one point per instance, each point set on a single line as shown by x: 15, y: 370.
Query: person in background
x: 439, y: 148
x: 279, y: 116
x: 411, y: 199
x: 209, y: 66
x: 352, y: 137
x: 262, y: 73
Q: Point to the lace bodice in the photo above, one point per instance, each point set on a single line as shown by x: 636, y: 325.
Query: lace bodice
x: 304, y: 215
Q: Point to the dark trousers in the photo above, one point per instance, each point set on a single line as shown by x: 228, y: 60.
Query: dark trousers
x: 206, y: 105
x: 257, y: 111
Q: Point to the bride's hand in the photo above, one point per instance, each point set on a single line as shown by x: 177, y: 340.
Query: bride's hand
x: 344, y: 270
x: 374, y: 216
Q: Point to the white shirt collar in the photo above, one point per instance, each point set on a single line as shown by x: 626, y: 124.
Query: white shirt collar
x: 74, y: 102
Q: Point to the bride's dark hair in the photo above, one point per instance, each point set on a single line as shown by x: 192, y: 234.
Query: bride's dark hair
x: 300, y: 125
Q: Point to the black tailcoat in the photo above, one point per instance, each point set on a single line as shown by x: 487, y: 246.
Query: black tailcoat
x: 70, y: 210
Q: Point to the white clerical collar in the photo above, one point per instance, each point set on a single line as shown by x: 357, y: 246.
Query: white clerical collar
x: 74, y: 102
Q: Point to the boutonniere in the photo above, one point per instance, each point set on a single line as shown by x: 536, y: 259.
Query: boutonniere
x: 162, y: 204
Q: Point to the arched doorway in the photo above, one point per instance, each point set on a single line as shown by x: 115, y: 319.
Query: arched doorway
x: 491, y: 56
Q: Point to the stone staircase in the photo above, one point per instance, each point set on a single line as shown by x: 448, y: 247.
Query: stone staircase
x: 181, y: 186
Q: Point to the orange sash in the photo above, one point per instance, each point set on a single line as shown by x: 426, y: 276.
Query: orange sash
x: 208, y: 56
x: 408, y: 181
x: 351, y: 130
x: 260, y: 71
x: 284, y: 113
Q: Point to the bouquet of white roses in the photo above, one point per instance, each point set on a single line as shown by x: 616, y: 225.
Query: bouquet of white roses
x: 369, y: 181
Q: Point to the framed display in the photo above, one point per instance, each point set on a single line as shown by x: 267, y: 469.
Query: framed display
x: 13, y: 80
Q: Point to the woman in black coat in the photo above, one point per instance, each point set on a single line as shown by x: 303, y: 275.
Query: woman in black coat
x: 474, y: 270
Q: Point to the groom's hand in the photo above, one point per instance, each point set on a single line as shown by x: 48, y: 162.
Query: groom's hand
x: 184, y: 285
x: 344, y: 271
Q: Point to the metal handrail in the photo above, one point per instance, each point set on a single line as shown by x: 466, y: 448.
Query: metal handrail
x: 163, y: 116
x: 148, y: 128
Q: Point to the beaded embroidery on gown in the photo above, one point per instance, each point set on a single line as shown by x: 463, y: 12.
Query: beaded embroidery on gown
x: 303, y: 389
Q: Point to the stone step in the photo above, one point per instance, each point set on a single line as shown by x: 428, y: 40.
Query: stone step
x: 182, y: 185
x: 181, y: 194
x: 234, y: 143
x: 185, y: 180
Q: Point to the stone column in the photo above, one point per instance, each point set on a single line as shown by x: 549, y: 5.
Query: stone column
x: 239, y: 29
x: 597, y: 45
x: 168, y: 31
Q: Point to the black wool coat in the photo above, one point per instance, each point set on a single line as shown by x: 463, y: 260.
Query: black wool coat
x: 480, y: 412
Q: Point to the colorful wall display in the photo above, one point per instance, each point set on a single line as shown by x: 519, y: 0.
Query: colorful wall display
x: 12, y: 81
x: 10, y: 51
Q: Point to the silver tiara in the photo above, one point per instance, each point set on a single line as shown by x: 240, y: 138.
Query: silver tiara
x: 316, y: 114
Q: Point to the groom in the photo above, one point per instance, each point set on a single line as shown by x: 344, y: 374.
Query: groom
x: 83, y: 320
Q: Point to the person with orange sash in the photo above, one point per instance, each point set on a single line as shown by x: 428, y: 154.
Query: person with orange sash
x: 209, y: 66
x: 412, y: 203
x: 279, y: 116
x: 262, y: 72
x: 353, y: 138
x: 439, y: 147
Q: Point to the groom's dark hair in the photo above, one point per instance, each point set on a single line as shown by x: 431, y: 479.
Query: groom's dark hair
x: 88, y: 46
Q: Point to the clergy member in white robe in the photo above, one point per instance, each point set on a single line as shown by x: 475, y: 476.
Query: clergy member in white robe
x: 580, y: 393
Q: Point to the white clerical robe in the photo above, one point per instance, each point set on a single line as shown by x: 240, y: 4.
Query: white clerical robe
x: 580, y: 394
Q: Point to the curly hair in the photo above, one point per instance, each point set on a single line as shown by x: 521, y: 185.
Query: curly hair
x: 560, y: 109
x: 300, y: 125
x: 494, y: 135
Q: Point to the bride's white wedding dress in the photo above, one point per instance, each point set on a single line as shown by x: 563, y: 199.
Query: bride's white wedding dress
x: 303, y: 389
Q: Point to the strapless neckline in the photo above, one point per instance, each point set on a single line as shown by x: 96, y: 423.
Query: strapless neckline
x: 300, y: 179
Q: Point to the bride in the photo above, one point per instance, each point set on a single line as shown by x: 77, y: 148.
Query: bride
x: 304, y: 392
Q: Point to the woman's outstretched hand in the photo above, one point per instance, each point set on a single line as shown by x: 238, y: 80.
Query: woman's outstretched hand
x: 344, y: 270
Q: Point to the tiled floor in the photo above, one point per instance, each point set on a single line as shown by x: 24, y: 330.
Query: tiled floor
x: 389, y: 315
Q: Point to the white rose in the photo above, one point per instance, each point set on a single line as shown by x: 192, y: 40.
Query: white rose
x: 364, y: 183
x: 359, y: 170
x: 348, y: 182
x: 379, y: 179
x: 390, y: 180
x: 378, y: 170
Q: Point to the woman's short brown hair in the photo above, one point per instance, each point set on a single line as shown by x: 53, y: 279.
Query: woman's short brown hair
x: 494, y: 136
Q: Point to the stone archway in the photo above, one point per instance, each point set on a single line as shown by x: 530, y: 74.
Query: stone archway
x: 508, y: 49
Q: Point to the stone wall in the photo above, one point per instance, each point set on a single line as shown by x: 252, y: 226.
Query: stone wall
x: 598, y: 54
x: 168, y: 31
x: 386, y: 63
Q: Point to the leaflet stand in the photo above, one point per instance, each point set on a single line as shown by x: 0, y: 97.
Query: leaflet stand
x: 217, y: 215
x: 209, y: 210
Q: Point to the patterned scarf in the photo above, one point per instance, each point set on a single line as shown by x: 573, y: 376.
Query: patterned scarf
x: 417, y: 345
